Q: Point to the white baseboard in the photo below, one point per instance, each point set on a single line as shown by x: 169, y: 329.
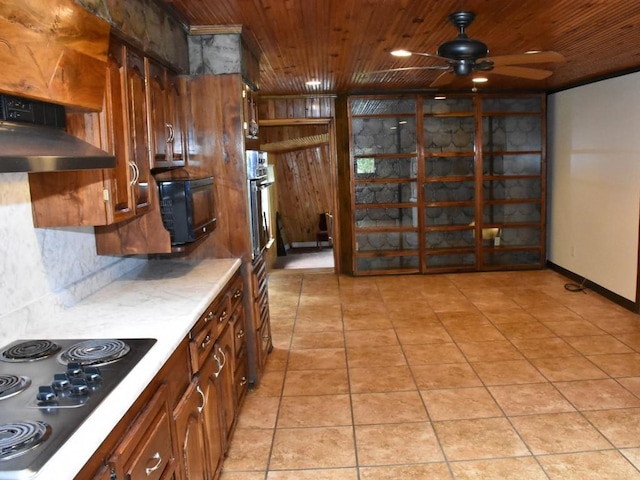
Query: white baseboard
x: 309, y: 244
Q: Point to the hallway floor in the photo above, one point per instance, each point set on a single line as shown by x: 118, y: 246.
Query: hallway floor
x: 501, y: 375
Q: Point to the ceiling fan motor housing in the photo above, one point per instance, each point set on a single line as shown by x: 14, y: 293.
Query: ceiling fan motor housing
x: 463, y: 50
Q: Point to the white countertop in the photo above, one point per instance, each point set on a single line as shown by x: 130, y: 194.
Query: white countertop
x: 161, y: 300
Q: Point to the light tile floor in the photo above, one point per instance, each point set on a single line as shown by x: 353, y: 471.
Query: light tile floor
x: 502, y: 375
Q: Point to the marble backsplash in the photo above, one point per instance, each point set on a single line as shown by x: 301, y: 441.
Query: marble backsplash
x: 43, y: 271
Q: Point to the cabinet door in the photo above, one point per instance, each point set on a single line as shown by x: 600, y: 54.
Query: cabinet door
x: 147, y: 451
x: 138, y: 129
x: 210, y: 385
x: 224, y: 350
x: 190, y: 430
x: 159, y: 127
x: 176, y: 124
x: 117, y: 140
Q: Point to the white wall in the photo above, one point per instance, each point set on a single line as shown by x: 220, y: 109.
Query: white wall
x: 44, y: 270
x: 594, y: 182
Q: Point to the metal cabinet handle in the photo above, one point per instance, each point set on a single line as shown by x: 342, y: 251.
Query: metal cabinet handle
x: 237, y: 294
x: 224, y: 358
x: 136, y: 173
x: 156, y: 456
x: 240, y: 334
x: 220, y: 365
x: 243, y: 382
x: 223, y: 316
x: 209, y: 316
x: 204, y: 399
x: 171, y: 137
x: 205, y: 342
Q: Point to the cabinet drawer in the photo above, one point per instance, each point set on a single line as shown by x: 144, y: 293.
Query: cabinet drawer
x: 239, y: 333
x: 147, y: 451
x: 206, y: 330
x: 236, y: 292
x: 259, y: 277
x: 264, y: 342
x: 241, y: 380
x: 200, y: 346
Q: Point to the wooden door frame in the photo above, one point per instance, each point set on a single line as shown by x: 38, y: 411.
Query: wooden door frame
x: 333, y: 167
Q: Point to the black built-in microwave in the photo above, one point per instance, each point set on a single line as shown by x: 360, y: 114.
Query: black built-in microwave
x: 187, y: 207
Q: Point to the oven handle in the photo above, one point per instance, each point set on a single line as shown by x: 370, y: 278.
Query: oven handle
x: 260, y: 184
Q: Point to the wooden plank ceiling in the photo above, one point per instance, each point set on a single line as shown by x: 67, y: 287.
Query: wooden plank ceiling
x: 337, y: 41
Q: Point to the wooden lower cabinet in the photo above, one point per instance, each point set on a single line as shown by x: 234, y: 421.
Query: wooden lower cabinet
x: 197, y: 421
x: 261, y: 340
x: 181, y: 425
x: 224, y: 349
x: 147, y: 451
x: 214, y: 436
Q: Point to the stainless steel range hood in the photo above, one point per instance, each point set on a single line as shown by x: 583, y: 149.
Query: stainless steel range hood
x: 36, y: 141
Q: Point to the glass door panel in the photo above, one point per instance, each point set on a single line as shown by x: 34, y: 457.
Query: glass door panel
x: 449, y: 134
x: 442, y: 216
x: 511, y: 213
x: 512, y: 189
x: 385, y: 217
x: 512, y: 133
x: 451, y: 260
x: 512, y: 164
x: 383, y: 135
x: 371, y: 168
x: 512, y: 258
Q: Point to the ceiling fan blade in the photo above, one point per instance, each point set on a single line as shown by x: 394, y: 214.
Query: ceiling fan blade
x: 445, y: 78
x: 431, y: 55
x: 522, y: 72
x: 405, y: 69
x: 526, y: 58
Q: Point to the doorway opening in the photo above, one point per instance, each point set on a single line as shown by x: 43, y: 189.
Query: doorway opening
x: 303, y: 158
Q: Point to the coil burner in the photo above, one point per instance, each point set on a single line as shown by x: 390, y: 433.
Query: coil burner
x: 17, y: 438
x: 48, y: 388
x: 12, y: 384
x: 95, y: 352
x: 30, y: 350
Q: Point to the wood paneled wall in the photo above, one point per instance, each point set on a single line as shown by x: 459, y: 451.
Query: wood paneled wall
x: 295, y: 107
x: 305, y: 170
x: 304, y: 191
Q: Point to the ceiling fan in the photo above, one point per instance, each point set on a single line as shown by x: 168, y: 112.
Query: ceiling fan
x: 464, y: 55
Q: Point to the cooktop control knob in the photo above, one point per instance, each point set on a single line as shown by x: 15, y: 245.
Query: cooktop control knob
x: 79, y: 387
x: 46, y: 393
x: 92, y: 374
x: 74, y: 369
x: 60, y: 381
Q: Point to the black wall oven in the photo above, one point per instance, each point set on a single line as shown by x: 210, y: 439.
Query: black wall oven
x: 258, y: 184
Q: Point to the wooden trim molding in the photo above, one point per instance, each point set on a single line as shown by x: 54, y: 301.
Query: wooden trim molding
x: 608, y: 294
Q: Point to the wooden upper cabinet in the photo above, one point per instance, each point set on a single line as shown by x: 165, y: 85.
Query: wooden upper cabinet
x: 160, y: 130
x: 175, y: 109
x: 249, y: 112
x: 165, y: 122
x: 108, y: 196
x: 115, y: 119
x: 52, y: 56
x: 136, y: 89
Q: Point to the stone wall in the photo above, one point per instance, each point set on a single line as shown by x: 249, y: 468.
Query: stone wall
x: 145, y: 25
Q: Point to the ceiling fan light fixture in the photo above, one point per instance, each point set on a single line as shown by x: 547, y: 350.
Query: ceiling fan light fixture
x: 401, y: 53
x: 463, y: 67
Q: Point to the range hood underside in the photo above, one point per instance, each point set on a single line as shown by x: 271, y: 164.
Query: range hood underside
x: 35, y: 148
